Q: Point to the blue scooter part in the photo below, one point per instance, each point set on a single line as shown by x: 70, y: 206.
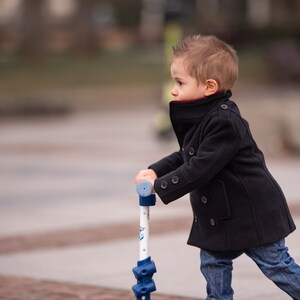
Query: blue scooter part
x: 143, y: 272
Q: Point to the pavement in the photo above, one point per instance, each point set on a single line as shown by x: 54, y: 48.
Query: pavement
x: 69, y: 212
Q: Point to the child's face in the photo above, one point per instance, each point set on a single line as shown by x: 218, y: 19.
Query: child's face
x: 185, y: 86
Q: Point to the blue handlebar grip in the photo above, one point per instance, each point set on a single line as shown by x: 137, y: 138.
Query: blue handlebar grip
x: 144, y: 188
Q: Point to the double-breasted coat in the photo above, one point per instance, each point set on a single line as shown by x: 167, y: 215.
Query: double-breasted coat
x: 236, y: 202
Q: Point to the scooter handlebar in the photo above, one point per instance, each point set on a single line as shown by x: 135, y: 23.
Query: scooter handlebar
x: 144, y: 188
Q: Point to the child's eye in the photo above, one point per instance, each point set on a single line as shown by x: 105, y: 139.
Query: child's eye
x: 179, y: 82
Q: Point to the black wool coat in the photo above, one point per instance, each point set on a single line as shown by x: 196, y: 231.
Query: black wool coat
x: 236, y: 202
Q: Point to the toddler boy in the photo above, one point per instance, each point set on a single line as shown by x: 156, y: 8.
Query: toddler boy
x: 238, y: 206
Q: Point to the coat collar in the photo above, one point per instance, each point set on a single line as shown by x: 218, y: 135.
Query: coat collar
x: 196, y: 109
x: 185, y: 114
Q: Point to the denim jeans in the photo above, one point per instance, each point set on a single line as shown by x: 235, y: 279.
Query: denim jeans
x: 272, y: 259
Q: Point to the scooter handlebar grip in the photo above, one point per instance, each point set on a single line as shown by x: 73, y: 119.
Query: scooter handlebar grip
x: 144, y: 188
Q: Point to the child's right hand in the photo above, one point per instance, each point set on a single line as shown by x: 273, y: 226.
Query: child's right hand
x: 146, y: 175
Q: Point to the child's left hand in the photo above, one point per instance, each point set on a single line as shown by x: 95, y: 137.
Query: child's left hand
x: 146, y: 175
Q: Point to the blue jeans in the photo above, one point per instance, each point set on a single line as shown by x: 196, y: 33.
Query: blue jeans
x: 272, y: 259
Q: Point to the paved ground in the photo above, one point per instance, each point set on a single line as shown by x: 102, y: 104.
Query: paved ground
x: 69, y: 214
x: 12, y: 288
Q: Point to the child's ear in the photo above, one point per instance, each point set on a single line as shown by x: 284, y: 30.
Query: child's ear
x: 211, y: 87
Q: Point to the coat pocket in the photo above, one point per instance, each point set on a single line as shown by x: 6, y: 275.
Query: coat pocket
x: 220, y: 200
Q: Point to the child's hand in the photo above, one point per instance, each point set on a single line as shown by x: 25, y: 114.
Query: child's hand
x: 146, y: 175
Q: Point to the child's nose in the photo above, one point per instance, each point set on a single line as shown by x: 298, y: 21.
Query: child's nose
x: 174, y: 91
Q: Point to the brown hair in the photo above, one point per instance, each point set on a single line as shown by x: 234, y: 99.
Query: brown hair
x: 207, y: 57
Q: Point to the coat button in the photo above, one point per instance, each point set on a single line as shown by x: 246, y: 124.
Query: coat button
x: 212, y: 222
x: 191, y: 151
x: 204, y: 199
x: 163, y: 184
x: 175, y: 179
x: 224, y: 106
x: 195, y: 219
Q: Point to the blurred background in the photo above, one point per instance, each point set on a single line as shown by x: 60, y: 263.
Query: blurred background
x: 84, y: 91
x: 57, y: 56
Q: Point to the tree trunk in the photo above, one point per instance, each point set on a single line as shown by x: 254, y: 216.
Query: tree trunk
x: 33, y: 29
x: 85, y: 37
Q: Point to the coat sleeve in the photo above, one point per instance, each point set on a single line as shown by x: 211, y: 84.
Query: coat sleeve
x: 220, y: 144
x: 167, y: 164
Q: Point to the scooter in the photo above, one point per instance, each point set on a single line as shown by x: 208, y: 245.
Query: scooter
x: 145, y: 268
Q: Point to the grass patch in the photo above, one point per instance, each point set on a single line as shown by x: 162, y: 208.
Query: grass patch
x: 130, y: 67
x: 252, y: 64
x: 108, y: 68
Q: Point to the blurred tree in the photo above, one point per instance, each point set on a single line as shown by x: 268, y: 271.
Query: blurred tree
x: 32, y: 28
x: 127, y: 12
x: 85, y: 37
x: 152, y: 20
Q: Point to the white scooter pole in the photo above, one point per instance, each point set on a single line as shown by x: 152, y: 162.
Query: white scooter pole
x: 144, y: 231
x: 145, y: 268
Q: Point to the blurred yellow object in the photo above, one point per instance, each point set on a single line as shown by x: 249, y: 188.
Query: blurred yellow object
x: 172, y: 35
